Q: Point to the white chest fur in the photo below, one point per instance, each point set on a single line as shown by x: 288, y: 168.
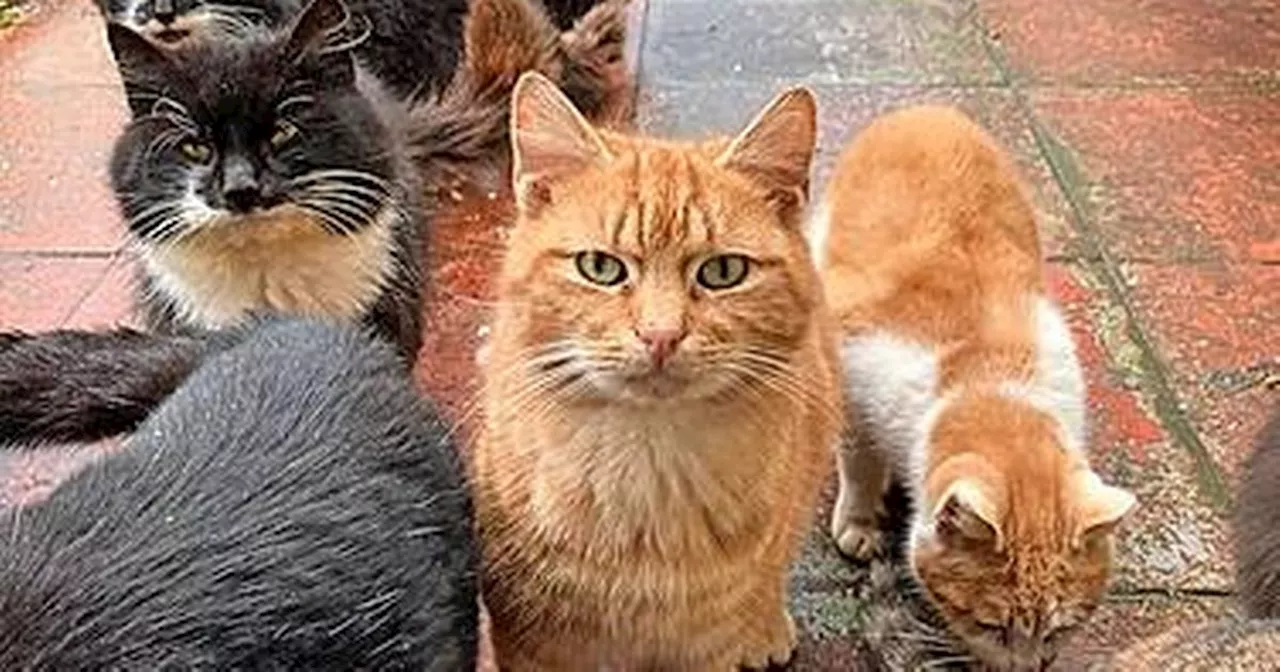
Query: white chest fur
x: 285, y: 262
x: 893, y: 385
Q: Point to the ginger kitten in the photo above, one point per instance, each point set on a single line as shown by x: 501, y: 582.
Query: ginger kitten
x: 661, y: 395
x: 963, y: 382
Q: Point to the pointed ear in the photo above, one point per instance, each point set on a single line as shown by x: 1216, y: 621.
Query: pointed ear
x: 549, y: 139
x: 319, y: 33
x: 144, y: 67
x: 965, y: 512
x: 1102, y: 506
x: 777, y: 146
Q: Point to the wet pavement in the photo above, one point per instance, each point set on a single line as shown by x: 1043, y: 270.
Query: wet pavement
x: 1149, y: 133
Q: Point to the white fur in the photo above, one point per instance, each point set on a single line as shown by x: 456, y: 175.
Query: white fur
x: 282, y: 263
x: 893, y: 384
x: 132, y: 15
x: 893, y: 388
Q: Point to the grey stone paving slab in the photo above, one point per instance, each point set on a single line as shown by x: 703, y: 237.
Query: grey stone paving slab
x: 827, y: 41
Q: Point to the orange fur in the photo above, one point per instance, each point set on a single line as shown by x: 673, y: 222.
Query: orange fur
x: 931, y: 247
x: 637, y: 515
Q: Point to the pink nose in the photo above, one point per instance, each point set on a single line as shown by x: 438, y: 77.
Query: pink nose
x: 661, y: 343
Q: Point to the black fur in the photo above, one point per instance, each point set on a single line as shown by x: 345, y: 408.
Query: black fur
x: 344, y: 160
x: 294, y: 505
x: 566, y: 12
x: 1257, y: 526
x: 413, y: 46
x: 65, y: 386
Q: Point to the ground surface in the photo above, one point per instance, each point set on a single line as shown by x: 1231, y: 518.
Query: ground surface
x: 1149, y: 131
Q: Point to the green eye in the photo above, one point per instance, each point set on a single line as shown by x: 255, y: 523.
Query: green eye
x: 196, y: 152
x: 723, y: 272
x: 284, y: 132
x: 601, y: 268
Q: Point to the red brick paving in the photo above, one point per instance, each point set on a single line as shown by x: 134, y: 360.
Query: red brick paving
x: 1107, y: 42
x: 1149, y: 132
x: 1176, y: 175
x: 61, y: 109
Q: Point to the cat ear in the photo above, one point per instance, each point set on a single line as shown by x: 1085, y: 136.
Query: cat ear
x: 966, y: 512
x: 1102, y: 506
x: 317, y: 33
x: 549, y: 139
x: 777, y: 146
x: 144, y: 67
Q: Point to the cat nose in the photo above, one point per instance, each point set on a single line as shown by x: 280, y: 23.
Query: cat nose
x: 240, y: 187
x: 661, y: 343
x: 164, y: 11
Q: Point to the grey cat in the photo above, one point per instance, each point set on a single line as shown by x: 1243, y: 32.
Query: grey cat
x: 295, y: 504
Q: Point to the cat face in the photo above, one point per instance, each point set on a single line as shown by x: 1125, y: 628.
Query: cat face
x: 1013, y: 556
x: 247, y: 128
x: 651, y: 272
x: 173, y: 21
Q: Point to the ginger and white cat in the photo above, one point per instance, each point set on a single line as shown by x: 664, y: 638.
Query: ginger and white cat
x: 662, y: 395
x: 963, y: 383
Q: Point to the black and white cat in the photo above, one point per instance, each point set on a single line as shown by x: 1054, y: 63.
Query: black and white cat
x: 295, y: 504
x: 267, y: 172
x: 272, y: 172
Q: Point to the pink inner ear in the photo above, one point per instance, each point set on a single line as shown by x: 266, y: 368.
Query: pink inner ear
x: 965, y: 511
x: 550, y: 138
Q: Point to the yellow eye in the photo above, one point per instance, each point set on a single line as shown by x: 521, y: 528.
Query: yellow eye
x: 723, y: 272
x: 196, y: 152
x: 284, y: 132
x: 601, y: 268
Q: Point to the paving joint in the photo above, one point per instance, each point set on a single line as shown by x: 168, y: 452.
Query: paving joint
x: 1153, y: 370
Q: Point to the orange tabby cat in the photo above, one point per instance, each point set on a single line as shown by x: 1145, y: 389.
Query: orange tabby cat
x: 962, y: 382
x: 661, y: 395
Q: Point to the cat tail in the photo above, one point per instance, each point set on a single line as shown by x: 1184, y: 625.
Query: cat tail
x: 463, y: 132
x: 79, y: 386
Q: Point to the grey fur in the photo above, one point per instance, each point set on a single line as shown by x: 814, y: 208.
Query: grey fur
x: 294, y: 505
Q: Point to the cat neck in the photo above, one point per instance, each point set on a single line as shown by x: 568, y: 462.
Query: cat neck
x: 672, y: 480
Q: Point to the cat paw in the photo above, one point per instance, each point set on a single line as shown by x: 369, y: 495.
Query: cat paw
x: 859, y: 540
x: 777, y: 652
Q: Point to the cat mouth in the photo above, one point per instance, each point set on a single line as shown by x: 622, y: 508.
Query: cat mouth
x: 656, y: 385
x: 166, y: 34
x: 171, y: 35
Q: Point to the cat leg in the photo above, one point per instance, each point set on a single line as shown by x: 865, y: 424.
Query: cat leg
x: 774, y: 640
x: 864, y: 480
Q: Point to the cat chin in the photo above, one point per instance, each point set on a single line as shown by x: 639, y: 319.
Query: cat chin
x: 654, y: 389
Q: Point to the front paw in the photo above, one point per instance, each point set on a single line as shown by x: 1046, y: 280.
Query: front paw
x: 857, y: 538
x: 775, y: 650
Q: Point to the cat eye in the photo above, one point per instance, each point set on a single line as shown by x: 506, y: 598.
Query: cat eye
x: 601, y: 268
x: 196, y: 152
x: 284, y: 132
x: 723, y: 272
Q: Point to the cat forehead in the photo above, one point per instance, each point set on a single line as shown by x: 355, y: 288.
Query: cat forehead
x: 251, y: 66
x: 658, y: 196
